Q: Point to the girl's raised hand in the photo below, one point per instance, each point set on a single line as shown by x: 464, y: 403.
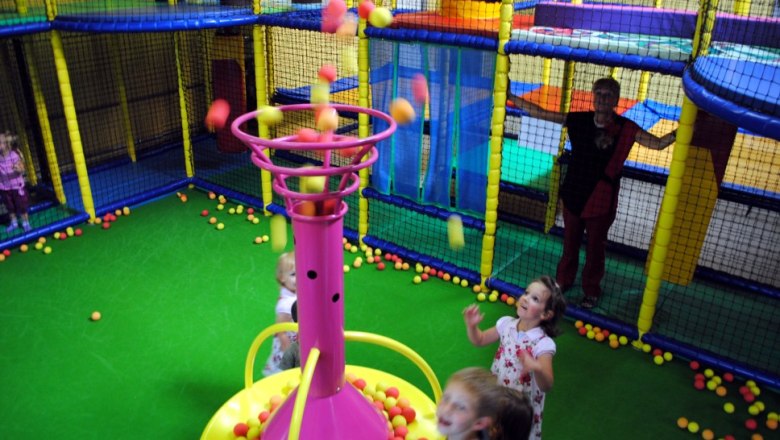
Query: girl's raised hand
x: 472, y: 315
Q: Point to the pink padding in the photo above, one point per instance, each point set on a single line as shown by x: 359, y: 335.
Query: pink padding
x: 752, y: 31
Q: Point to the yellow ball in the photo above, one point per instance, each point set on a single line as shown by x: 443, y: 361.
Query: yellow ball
x: 659, y: 360
x: 728, y: 407
x: 47, y: 250
x: 270, y: 115
x: 647, y: 348
x: 693, y: 427
x: 278, y: 233
x: 481, y: 297
x: 455, y: 232
x: 380, y: 17
x: 668, y: 356
x: 402, y: 111
x: 623, y: 340
x: 312, y: 184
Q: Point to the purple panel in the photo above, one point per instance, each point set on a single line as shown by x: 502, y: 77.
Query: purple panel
x: 636, y: 20
x: 752, y: 31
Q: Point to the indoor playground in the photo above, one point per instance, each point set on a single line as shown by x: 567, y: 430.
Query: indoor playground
x: 173, y: 149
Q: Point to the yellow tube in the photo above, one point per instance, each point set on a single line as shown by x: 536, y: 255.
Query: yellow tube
x: 363, y: 123
x: 705, y: 21
x: 303, y: 393
x: 267, y: 332
x: 555, y: 175
x: 500, y: 85
x: 21, y: 7
x: 71, y: 120
x: 120, y: 81
x: 742, y: 7
x: 644, y: 85
x: 262, y: 66
x: 189, y: 162
x: 614, y: 73
x: 666, y: 218
x: 546, y: 69
x: 43, y: 121
x: 398, y: 347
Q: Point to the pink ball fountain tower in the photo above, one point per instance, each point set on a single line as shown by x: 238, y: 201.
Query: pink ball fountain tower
x: 334, y: 409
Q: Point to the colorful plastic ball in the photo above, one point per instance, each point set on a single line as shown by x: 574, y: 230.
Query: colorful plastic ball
x: 613, y: 343
x: 270, y: 115
x: 380, y: 17
x: 420, y: 88
x: 95, y: 316
x: 481, y: 297
x: 694, y: 365
x: 721, y: 391
x: 699, y: 384
x: 682, y: 423
x: 728, y: 407
x: 327, y: 73
x: 217, y: 115
x: 693, y: 427
x: 402, y: 111
x: 751, y: 424
x: 220, y: 226
x: 365, y: 8
x: 328, y: 119
x: 623, y: 340
x: 582, y: 331
x: 455, y: 232
x: 707, y: 434
x: 728, y: 377
x: 47, y: 250
x: 771, y: 424
x: 417, y: 279
x: 511, y: 300
x: 668, y: 356
x: 240, y: 429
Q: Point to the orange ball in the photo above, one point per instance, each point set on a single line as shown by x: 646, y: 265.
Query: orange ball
x: 95, y: 316
x: 402, y: 111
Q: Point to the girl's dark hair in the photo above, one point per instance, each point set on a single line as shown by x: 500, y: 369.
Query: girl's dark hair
x: 514, y: 418
x: 556, y: 304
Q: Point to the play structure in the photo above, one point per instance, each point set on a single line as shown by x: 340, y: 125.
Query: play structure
x: 109, y: 98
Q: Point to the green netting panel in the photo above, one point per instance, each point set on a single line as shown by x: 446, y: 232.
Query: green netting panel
x: 422, y: 233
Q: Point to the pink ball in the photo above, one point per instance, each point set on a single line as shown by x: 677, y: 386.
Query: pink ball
x: 218, y: 114
x: 365, y: 8
x: 420, y: 88
x: 392, y: 392
x: 240, y: 429
x: 327, y: 72
x: 307, y: 135
x: 333, y: 16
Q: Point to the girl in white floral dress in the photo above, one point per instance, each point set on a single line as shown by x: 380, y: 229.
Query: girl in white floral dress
x: 526, y: 349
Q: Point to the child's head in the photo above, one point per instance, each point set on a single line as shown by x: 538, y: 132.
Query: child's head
x: 514, y: 418
x: 543, y: 300
x: 469, y: 403
x: 7, y: 142
x: 285, y: 271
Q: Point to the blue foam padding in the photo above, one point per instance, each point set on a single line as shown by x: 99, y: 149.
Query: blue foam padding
x: 760, y: 123
x: 748, y: 84
x: 434, y: 37
x: 612, y: 59
x: 24, y: 29
x: 156, y: 19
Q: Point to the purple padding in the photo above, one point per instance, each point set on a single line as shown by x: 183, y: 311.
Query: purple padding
x: 751, y: 31
x: 625, y: 19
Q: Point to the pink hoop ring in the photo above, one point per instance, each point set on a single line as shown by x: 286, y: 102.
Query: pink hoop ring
x: 349, y: 182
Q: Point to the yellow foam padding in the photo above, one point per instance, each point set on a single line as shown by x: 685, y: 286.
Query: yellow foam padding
x: 691, y: 219
x: 252, y: 401
x: 752, y: 161
x: 470, y: 9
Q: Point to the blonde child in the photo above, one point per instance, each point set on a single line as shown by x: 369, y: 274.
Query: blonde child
x: 12, y: 192
x: 474, y: 407
x: 524, y: 357
x: 285, y: 275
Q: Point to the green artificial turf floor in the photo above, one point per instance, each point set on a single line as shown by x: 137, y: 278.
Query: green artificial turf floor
x: 181, y: 302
